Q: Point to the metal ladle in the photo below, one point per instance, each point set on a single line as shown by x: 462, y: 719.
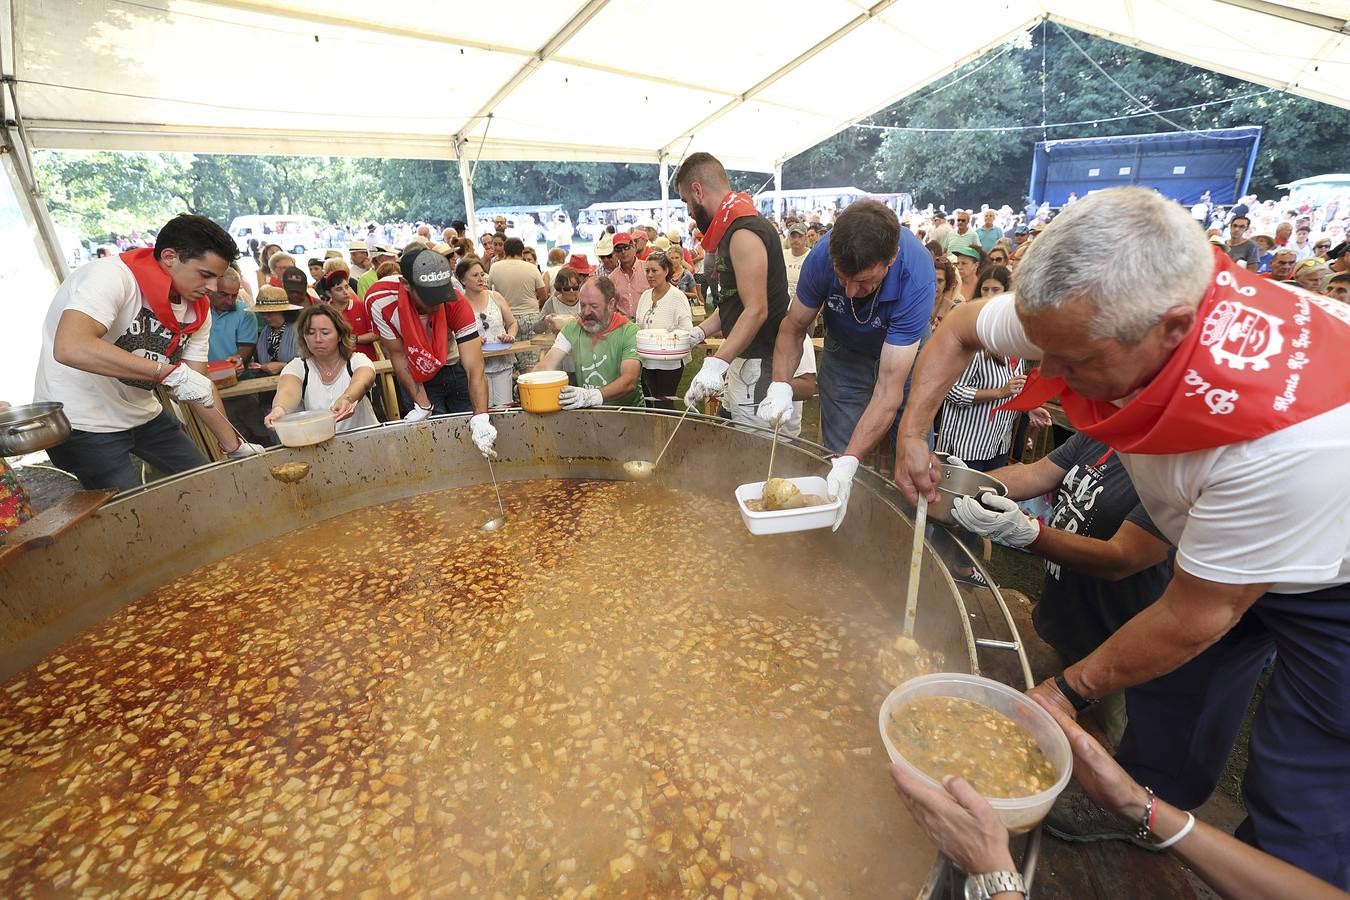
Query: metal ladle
x: 497, y: 521
x: 641, y: 469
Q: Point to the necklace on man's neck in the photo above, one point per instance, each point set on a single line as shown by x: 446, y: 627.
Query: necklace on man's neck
x: 853, y: 307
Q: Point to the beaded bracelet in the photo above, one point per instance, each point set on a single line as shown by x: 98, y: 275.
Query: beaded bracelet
x: 1146, y: 820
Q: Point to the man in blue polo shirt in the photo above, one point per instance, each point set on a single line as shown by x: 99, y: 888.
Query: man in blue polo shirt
x: 876, y: 283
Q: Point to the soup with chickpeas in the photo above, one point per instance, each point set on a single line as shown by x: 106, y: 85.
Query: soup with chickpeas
x: 620, y: 693
x: 944, y: 736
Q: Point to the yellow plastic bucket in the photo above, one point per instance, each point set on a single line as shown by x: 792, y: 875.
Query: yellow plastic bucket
x: 539, y: 390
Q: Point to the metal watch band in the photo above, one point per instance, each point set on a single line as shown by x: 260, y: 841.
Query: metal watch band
x: 1079, y: 702
x: 997, y: 882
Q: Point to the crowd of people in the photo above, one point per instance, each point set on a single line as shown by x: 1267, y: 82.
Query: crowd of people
x: 1192, y: 532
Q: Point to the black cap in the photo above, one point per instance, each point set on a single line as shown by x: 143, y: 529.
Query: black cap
x: 429, y: 274
x: 294, y: 279
x: 1338, y: 251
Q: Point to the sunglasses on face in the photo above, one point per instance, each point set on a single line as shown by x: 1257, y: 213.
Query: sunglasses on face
x: 569, y: 286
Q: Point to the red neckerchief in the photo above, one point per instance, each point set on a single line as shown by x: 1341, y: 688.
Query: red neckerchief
x: 734, y: 206
x: 615, y: 321
x: 156, y: 285
x: 1262, y: 357
x: 426, y: 354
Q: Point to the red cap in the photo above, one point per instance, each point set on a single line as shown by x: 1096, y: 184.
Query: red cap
x: 622, y: 239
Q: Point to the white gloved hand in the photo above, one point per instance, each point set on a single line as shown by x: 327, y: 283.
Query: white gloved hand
x: 696, y: 335
x: 484, y: 435
x: 996, y: 518
x: 189, y: 386
x: 708, y: 382
x: 580, y: 397
x: 839, y: 484
x: 957, y: 462
x: 776, y: 407
x: 245, y: 450
x: 417, y: 413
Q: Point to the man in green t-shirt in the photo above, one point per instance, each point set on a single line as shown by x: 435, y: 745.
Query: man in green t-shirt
x: 603, y: 345
x: 378, y: 255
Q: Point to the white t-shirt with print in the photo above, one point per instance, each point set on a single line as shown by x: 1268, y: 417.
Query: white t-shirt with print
x: 107, y: 292
x: 322, y: 396
x: 1274, y: 509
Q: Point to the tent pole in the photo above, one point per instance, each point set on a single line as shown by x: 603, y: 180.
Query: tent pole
x: 665, y: 195
x: 466, y: 181
x: 778, y: 211
x: 19, y: 168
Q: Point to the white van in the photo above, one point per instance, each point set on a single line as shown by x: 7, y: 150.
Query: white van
x: 295, y: 234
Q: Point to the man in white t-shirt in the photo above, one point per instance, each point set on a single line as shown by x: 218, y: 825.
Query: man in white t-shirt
x: 1225, y: 395
x: 119, y: 327
x: 794, y: 255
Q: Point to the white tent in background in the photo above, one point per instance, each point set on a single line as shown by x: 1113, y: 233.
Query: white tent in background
x: 555, y: 79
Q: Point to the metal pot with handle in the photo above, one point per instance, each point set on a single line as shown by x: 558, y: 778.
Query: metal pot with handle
x: 32, y: 427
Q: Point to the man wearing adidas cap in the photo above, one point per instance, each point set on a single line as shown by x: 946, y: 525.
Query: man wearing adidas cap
x: 415, y: 314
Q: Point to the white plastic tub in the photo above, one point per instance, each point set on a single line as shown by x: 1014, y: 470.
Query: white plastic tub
x: 781, y: 521
x: 1018, y: 813
x: 301, y: 429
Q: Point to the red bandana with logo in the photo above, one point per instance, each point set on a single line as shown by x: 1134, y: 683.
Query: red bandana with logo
x: 426, y: 353
x: 734, y: 206
x: 155, y: 285
x: 1260, y: 358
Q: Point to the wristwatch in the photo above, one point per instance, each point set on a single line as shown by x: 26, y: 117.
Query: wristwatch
x: 1078, y: 701
x: 982, y: 887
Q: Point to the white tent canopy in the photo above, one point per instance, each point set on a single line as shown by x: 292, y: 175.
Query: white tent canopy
x: 563, y: 79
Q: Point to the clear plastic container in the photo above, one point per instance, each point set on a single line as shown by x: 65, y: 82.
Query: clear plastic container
x: 781, y: 521
x: 300, y: 429
x: 1018, y: 813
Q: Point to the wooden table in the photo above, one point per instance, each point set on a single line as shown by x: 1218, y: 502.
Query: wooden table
x: 384, y: 373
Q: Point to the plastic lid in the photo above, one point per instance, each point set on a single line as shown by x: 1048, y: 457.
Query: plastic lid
x: 548, y: 376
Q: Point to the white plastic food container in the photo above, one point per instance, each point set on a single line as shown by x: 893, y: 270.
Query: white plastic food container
x: 301, y: 429
x: 781, y: 521
x: 1018, y: 813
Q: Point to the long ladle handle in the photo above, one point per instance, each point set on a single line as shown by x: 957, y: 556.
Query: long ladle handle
x: 773, y: 448
x: 915, y: 561
x: 671, y: 438
x: 496, y: 490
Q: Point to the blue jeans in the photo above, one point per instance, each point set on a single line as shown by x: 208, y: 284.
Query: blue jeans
x: 103, y: 460
x: 846, y: 381
x: 1182, y: 726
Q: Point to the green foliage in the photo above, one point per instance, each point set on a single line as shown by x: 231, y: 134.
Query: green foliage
x: 111, y: 193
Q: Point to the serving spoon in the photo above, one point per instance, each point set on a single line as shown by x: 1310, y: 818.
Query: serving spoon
x: 641, y: 469
x: 497, y: 521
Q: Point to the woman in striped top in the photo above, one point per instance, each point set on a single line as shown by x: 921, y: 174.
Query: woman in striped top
x: 973, y: 429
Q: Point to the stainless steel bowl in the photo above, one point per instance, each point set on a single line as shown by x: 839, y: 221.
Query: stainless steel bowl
x: 958, y: 481
x: 32, y: 427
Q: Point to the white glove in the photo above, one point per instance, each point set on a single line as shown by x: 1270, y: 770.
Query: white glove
x: 776, y: 407
x: 189, y: 385
x: 696, y: 335
x: 839, y: 484
x: 417, y: 413
x: 580, y: 397
x: 245, y: 450
x: 1005, y: 522
x: 483, y: 434
x: 956, y: 462
x: 708, y: 382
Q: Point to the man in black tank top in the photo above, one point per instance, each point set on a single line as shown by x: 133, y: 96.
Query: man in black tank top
x: 748, y: 279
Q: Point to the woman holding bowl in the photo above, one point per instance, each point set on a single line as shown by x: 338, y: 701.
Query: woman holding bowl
x: 666, y: 307
x: 327, y: 374
x: 497, y: 324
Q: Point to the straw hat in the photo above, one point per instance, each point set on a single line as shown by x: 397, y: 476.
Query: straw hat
x: 272, y: 299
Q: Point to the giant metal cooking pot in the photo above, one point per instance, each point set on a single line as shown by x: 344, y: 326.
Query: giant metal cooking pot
x: 153, y: 535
